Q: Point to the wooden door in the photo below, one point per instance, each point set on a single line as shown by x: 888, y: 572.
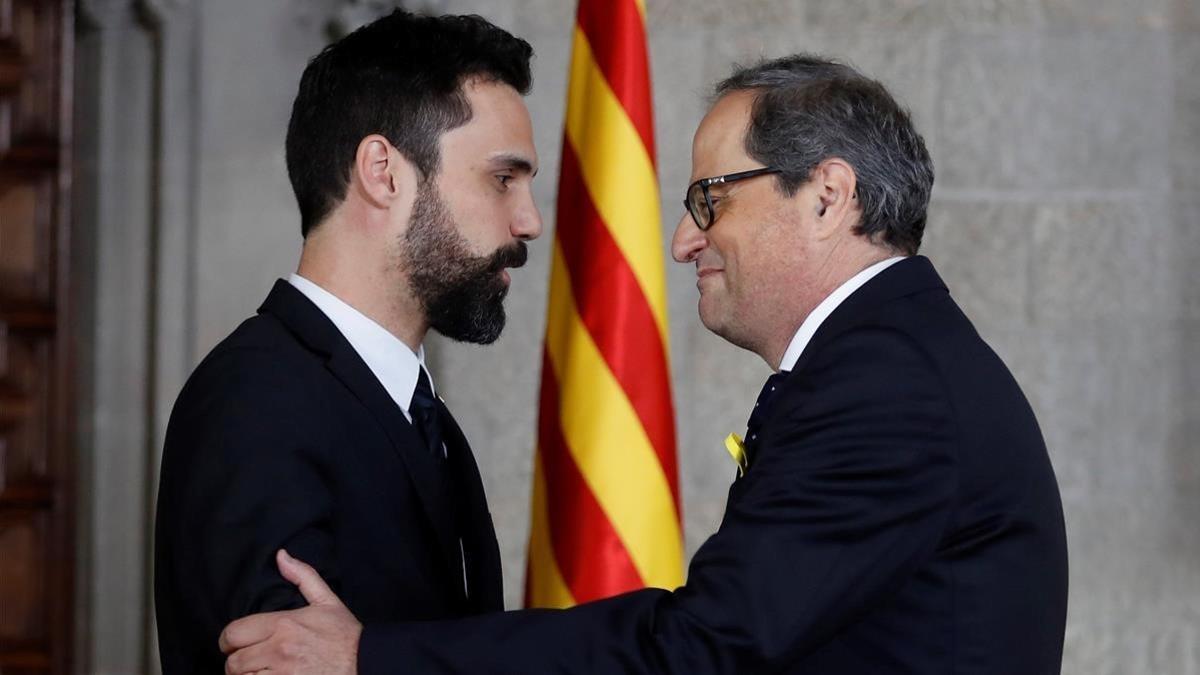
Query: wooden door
x: 36, y: 458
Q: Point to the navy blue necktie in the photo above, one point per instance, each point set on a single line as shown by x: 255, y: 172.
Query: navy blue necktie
x: 425, y: 415
x: 762, y: 408
x: 427, y: 418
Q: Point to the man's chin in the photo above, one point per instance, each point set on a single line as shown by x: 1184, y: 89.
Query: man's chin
x: 475, y: 325
x: 710, y: 312
x: 710, y: 320
x: 720, y: 323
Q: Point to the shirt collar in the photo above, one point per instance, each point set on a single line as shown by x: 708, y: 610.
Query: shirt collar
x: 822, y: 311
x: 389, y: 358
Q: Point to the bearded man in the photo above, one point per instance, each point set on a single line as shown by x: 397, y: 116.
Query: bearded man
x: 314, y: 426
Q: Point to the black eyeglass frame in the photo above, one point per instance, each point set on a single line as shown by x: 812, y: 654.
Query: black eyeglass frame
x: 704, y: 183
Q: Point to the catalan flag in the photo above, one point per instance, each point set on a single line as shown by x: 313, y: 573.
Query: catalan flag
x: 606, y: 488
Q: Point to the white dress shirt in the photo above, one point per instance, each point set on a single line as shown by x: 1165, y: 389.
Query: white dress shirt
x: 822, y: 311
x: 393, y: 363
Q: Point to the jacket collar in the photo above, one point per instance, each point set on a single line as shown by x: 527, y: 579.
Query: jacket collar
x: 911, y: 275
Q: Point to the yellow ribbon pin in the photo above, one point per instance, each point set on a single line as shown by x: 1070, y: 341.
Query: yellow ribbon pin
x: 737, y: 450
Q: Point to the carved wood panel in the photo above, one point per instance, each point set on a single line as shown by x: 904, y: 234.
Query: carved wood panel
x: 36, y: 483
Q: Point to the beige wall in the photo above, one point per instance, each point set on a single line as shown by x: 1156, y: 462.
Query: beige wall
x: 1066, y: 221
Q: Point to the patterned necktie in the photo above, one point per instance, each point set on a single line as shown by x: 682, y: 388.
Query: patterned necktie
x: 425, y: 415
x: 762, y: 408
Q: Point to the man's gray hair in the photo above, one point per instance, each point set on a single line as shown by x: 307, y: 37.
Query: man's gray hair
x: 808, y: 109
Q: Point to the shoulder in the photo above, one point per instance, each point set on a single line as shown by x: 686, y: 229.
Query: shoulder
x: 259, y: 352
x: 916, y: 339
x: 869, y: 392
x: 260, y: 370
x: 878, y: 358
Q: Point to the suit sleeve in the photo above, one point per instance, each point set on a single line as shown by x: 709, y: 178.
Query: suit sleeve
x: 849, y: 493
x: 242, y: 477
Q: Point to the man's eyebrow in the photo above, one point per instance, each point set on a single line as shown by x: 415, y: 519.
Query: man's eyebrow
x: 514, y: 162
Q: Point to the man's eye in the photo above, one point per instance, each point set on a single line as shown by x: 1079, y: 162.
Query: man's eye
x: 503, y: 178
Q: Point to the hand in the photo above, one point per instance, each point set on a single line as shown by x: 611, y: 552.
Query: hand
x: 321, y: 639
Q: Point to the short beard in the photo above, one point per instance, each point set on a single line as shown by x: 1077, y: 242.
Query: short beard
x: 462, y: 294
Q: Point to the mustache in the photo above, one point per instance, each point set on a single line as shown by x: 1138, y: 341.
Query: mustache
x: 514, y: 255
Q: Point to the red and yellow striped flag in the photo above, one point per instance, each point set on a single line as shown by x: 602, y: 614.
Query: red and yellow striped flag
x: 606, y: 488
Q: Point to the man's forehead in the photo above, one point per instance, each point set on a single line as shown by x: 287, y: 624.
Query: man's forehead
x: 499, y: 129
x: 496, y: 104
x: 720, y: 139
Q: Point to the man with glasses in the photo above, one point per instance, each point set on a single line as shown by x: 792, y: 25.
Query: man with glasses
x: 896, y: 511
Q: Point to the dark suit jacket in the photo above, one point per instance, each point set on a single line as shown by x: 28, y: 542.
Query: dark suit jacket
x: 283, y: 437
x: 900, y: 515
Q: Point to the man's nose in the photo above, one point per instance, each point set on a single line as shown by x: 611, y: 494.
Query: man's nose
x: 688, y: 241
x: 527, y: 221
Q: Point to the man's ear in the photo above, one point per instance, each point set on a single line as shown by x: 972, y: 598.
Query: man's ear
x: 836, y: 187
x: 381, y: 174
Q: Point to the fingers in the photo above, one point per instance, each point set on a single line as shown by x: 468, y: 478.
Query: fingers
x: 248, y: 630
x: 312, y: 586
x: 252, y: 659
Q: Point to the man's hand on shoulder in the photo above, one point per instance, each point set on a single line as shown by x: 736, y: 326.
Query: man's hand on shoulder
x: 321, y: 639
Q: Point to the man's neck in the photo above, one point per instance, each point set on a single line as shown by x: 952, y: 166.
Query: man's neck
x: 836, y: 274
x: 369, y: 288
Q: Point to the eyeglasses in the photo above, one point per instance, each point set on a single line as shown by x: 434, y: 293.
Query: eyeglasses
x: 698, y: 201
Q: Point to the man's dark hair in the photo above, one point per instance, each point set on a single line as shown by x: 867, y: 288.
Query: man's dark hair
x: 402, y: 77
x: 808, y: 109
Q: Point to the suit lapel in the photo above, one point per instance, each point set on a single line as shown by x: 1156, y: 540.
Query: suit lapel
x: 310, y: 325
x: 426, y: 477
